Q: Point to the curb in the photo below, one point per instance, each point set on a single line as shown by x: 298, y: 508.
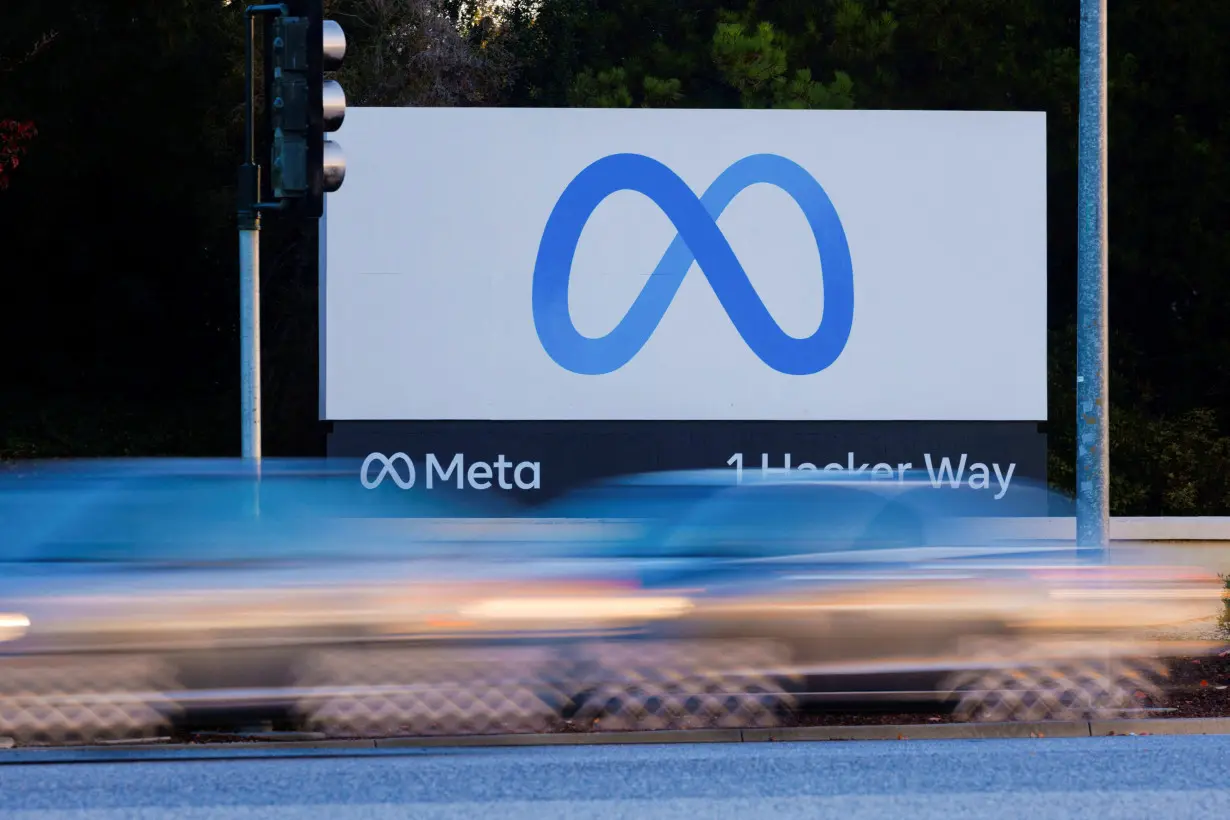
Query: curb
x: 922, y: 731
x: 1170, y: 726
x: 256, y: 746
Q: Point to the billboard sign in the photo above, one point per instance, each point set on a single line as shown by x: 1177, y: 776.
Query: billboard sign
x: 657, y: 265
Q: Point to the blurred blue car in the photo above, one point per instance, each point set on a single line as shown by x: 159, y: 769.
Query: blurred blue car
x: 852, y: 590
x: 140, y: 595
x: 135, y: 595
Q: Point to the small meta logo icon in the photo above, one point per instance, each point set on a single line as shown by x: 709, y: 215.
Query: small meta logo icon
x: 699, y: 240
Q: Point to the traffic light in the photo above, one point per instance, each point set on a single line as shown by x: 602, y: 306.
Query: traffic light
x: 303, y: 106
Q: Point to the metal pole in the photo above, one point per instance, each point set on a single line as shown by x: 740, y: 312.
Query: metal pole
x: 250, y: 340
x: 249, y: 263
x: 1092, y: 407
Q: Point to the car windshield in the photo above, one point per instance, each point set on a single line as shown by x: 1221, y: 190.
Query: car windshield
x: 776, y: 520
x: 625, y: 518
x: 131, y: 515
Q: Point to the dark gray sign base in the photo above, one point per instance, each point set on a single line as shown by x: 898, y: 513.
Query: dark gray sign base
x: 570, y: 454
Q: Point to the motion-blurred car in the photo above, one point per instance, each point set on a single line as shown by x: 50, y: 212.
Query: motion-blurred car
x: 812, y: 588
x: 136, y: 596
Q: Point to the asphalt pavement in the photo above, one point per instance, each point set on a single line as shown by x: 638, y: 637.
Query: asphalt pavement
x: 1107, y: 777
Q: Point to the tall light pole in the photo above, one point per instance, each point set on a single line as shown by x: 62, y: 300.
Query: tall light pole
x: 1092, y: 376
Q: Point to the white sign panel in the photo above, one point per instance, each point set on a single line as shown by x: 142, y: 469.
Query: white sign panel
x: 521, y: 264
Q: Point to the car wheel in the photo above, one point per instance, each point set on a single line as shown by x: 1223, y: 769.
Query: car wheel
x: 1070, y: 690
x: 423, y: 692
x: 67, y: 700
x: 668, y: 685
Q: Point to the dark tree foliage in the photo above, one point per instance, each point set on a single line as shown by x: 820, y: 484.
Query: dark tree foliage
x: 14, y: 138
x: 120, y: 285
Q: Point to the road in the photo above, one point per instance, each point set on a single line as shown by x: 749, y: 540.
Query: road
x: 1115, y: 777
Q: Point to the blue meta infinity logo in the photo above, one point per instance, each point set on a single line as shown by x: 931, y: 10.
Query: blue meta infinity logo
x: 698, y: 240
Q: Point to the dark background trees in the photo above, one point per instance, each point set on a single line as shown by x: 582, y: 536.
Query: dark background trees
x: 117, y: 223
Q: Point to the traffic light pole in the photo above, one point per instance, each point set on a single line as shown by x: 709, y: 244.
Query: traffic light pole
x: 250, y: 207
x: 249, y: 337
x: 301, y: 106
x: 1092, y: 373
